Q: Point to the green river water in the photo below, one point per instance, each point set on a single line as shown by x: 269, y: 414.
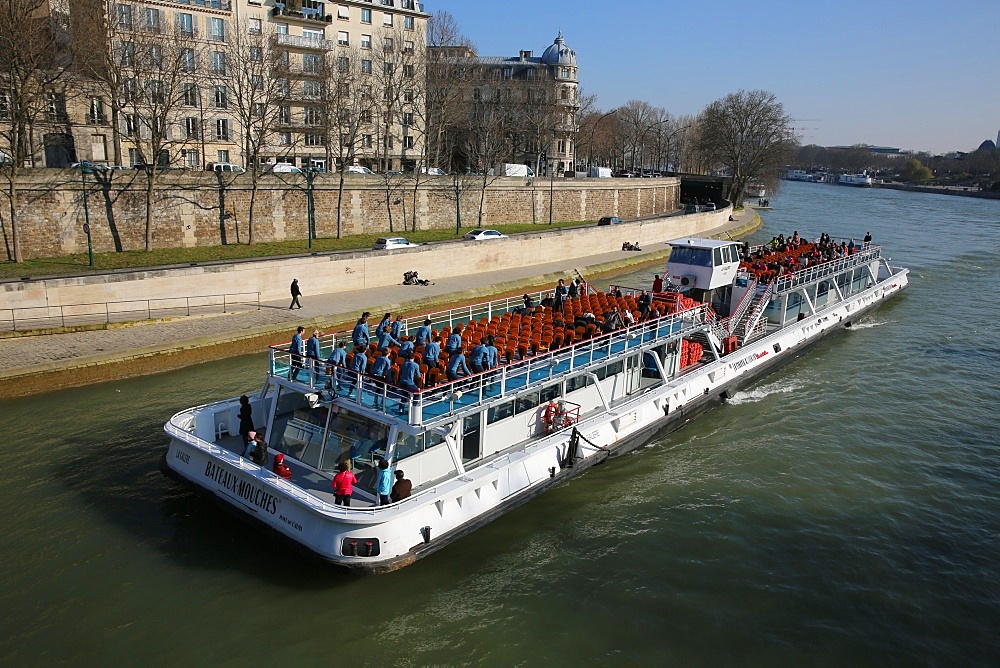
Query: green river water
x: 842, y: 511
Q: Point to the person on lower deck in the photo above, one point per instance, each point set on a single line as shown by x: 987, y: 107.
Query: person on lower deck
x: 281, y: 468
x: 343, y: 485
x: 401, y: 489
x: 246, y: 418
x: 383, y: 484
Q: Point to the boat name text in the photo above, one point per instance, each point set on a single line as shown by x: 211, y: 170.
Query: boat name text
x: 241, y: 488
x: 739, y: 364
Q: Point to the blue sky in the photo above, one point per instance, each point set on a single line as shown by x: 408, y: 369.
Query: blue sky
x: 917, y: 74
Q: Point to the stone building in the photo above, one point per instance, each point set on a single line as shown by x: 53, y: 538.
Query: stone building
x: 189, y: 82
x: 538, y: 95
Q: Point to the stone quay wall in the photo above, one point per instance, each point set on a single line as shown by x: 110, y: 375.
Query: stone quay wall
x: 357, y: 270
x: 206, y: 209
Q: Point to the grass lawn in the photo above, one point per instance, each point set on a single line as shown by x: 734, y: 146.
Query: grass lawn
x: 159, y: 257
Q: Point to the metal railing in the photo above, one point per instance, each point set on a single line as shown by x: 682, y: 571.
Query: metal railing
x: 47, y: 317
x: 815, y: 272
x: 517, y: 376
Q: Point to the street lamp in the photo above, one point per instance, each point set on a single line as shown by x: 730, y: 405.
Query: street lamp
x: 84, y: 170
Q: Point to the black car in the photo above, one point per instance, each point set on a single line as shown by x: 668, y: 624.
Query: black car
x: 610, y: 220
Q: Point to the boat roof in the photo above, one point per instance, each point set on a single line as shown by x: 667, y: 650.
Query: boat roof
x: 698, y: 242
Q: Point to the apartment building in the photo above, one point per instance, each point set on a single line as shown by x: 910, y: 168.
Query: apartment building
x: 537, y: 95
x: 189, y: 82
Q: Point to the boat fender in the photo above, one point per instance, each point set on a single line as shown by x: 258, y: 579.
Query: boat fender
x: 368, y: 548
x: 354, y: 548
x: 426, y: 532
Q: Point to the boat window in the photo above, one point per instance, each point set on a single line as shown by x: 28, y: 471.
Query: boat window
x: 297, y: 428
x: 353, y: 437
x: 549, y: 393
x: 610, y: 370
x: 576, y: 382
x: 526, y: 402
x: 501, y: 412
x: 698, y: 257
x: 408, y: 445
x: 721, y: 256
x: 794, y: 306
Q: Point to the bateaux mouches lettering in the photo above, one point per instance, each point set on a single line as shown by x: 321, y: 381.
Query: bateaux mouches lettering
x: 739, y: 364
x: 241, y: 488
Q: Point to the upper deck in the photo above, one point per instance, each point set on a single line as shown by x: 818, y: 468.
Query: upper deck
x: 534, y: 347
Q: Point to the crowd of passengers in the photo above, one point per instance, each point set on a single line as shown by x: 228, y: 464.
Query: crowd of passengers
x: 427, y: 357
x: 783, y: 255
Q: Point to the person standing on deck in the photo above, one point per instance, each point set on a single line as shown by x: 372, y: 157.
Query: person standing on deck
x: 360, y: 335
x: 336, y: 361
x: 296, y: 293
x: 559, y: 296
x: 384, y: 483
x: 454, y: 341
x: 432, y: 352
x: 657, y: 284
x: 478, y: 358
x: 312, y: 351
x: 246, y: 418
x: 296, y: 351
x: 343, y: 485
x: 401, y: 489
x: 423, y: 334
x: 397, y: 327
x: 385, y: 338
x: 409, y: 375
x: 456, y: 364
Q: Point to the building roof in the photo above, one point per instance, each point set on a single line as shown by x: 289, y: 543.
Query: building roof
x: 559, y: 54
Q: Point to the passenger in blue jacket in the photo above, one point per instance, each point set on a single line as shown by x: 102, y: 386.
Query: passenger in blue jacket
x: 397, y: 327
x: 432, y: 352
x: 409, y: 374
x: 336, y: 361
x: 405, y: 348
x: 453, y: 343
x: 478, y: 358
x: 360, y: 335
x: 456, y: 364
x: 423, y: 334
x: 295, y: 350
x: 385, y: 339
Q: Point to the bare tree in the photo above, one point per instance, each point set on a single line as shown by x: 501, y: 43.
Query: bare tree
x: 344, y: 112
x: 450, y: 64
x: 634, y: 120
x: 256, y: 73
x: 749, y: 134
x: 33, y: 61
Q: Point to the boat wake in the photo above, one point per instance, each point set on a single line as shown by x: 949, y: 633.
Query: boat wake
x: 758, y: 394
x: 869, y: 324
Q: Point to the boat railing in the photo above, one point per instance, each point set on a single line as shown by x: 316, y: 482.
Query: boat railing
x: 731, y: 322
x: 441, y: 400
x: 813, y: 273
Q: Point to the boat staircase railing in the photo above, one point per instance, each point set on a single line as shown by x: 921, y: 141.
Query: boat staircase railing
x: 753, y: 323
x: 730, y: 323
x: 441, y: 401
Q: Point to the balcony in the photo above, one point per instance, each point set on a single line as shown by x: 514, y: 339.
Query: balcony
x: 300, y: 42
x: 305, y: 15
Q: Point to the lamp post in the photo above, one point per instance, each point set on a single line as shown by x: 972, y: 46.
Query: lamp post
x: 84, y: 170
x: 552, y: 175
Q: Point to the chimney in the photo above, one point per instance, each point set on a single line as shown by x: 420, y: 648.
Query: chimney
x: 525, y: 55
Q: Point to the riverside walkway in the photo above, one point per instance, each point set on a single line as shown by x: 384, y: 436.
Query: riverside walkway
x: 36, y: 364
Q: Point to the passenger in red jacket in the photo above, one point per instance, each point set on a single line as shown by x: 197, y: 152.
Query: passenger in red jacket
x: 281, y: 468
x: 343, y: 485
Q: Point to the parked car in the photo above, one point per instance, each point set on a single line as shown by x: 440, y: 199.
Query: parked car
x: 392, y: 172
x: 223, y: 167
x: 93, y: 166
x: 357, y: 169
x: 432, y: 171
x: 710, y: 206
x: 690, y: 207
x: 482, y: 235
x: 610, y: 220
x: 387, y: 243
x: 283, y: 168
x: 622, y: 174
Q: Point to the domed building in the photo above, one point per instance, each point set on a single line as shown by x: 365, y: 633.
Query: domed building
x: 543, y: 89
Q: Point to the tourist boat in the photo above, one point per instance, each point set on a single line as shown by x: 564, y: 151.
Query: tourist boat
x: 861, y: 180
x: 571, y: 391
x: 755, y: 191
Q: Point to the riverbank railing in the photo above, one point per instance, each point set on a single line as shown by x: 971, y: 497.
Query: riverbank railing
x: 70, y: 315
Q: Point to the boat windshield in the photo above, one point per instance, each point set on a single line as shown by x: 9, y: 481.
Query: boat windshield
x: 696, y: 257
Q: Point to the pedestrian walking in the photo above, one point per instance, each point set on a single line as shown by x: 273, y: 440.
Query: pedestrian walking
x: 296, y: 293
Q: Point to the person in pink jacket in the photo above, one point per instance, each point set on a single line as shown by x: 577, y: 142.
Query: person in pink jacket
x: 343, y: 485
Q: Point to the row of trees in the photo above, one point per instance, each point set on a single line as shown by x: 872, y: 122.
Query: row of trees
x: 746, y: 135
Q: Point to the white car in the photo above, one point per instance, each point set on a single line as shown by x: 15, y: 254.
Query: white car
x: 357, y: 169
x: 482, y: 235
x: 283, y: 168
x: 388, y: 243
x: 433, y: 171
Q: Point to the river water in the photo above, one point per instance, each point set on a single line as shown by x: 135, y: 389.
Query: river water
x: 843, y: 511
